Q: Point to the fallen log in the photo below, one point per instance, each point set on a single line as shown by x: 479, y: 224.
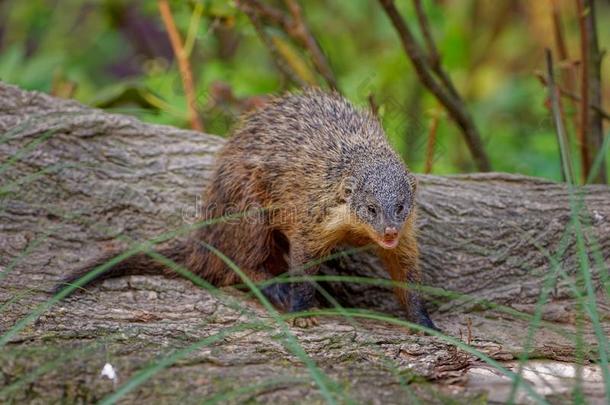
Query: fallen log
x: 76, y: 182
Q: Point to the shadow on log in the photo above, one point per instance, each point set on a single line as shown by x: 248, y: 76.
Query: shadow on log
x: 76, y: 182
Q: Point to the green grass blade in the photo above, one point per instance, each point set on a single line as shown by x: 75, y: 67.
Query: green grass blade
x: 446, y: 338
x: 142, y: 247
x: 145, y: 374
x: 223, y: 397
x: 26, y: 149
x: 326, y: 386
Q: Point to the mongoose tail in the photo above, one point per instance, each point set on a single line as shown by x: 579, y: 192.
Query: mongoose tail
x: 138, y: 264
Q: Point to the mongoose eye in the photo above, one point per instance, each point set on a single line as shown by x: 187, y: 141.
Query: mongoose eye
x: 372, y: 210
x: 399, y: 208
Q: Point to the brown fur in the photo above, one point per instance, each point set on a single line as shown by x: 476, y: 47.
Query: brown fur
x: 308, y: 165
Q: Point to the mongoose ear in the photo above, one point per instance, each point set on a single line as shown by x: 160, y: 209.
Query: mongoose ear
x: 348, y: 186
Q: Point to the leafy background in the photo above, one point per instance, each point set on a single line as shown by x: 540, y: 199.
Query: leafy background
x: 116, y: 55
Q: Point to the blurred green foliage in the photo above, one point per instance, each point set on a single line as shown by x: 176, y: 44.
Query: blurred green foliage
x: 115, y: 54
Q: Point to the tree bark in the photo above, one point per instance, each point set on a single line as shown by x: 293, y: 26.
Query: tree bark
x: 76, y: 182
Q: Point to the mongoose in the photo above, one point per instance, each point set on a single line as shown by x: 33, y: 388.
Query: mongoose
x: 322, y: 174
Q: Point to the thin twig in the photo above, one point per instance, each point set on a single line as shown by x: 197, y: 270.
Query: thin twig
x: 433, y: 55
x: 454, y: 105
x: 583, y: 124
x: 595, y: 130
x: 562, y: 138
x: 560, y: 42
x: 302, y: 33
x: 431, y: 144
x: 183, y: 64
x: 574, y: 97
x: 296, y: 28
x: 568, y: 75
x: 287, y: 74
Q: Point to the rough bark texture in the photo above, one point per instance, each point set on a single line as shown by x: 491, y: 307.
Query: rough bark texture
x: 76, y: 181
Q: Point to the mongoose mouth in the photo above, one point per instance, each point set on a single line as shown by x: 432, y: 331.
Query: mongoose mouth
x: 388, y: 243
x: 389, y: 239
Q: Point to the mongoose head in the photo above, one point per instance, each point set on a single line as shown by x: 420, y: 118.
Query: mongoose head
x: 380, y: 197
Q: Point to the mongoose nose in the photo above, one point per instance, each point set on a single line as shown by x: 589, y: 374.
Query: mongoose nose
x: 390, y: 233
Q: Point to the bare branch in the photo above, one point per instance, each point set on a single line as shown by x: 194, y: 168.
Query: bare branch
x: 301, y: 33
x: 295, y: 27
x: 592, y: 85
x: 558, y: 33
x: 454, y: 104
x: 433, y: 55
x: 285, y: 71
x: 567, y: 76
x: 583, y: 123
x: 562, y: 137
x: 183, y: 64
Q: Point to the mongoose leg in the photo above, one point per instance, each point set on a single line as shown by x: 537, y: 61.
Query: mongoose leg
x: 297, y: 296
x: 281, y: 296
x: 290, y: 297
x: 402, y: 264
x: 278, y: 294
x: 293, y: 297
